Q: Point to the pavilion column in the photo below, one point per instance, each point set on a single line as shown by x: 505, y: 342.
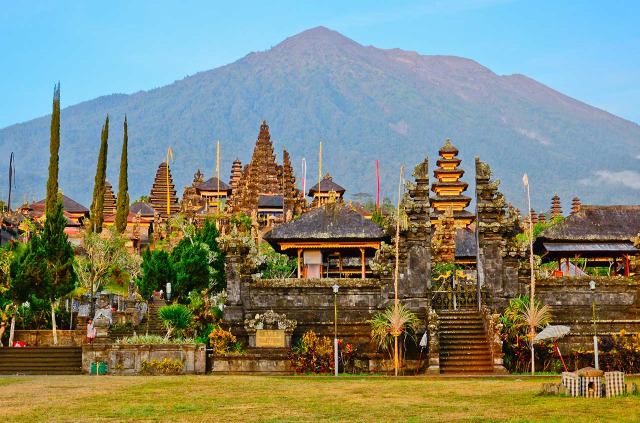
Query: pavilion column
x: 566, y: 260
x: 364, y: 272
x: 626, y: 265
x: 576, y: 264
x: 299, y: 252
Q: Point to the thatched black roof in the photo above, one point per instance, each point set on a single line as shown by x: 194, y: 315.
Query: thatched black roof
x: 69, y: 205
x: 333, y: 222
x: 326, y: 185
x: 593, y: 230
x: 212, y: 185
x: 466, y: 246
x: 145, y: 209
x: 596, y: 223
x: 270, y: 200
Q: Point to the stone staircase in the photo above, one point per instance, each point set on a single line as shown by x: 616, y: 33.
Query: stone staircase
x: 463, y: 343
x: 156, y: 327
x: 41, y: 361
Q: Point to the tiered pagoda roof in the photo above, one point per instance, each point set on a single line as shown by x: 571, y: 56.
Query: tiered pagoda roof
x: 236, y: 174
x: 109, y: 206
x: 163, y: 194
x: 556, y: 210
x: 448, y: 188
x: 575, y: 206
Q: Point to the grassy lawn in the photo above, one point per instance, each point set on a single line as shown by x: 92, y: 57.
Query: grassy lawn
x: 296, y: 399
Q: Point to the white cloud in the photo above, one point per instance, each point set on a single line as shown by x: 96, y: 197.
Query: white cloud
x: 628, y: 178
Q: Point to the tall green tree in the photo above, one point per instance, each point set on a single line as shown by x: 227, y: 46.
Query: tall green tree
x: 198, y: 262
x: 122, y: 206
x: 97, y: 205
x: 157, y: 270
x: 54, y: 147
x: 15, y: 286
x: 59, y: 260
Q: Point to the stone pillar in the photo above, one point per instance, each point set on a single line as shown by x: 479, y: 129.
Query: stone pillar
x: 496, y: 229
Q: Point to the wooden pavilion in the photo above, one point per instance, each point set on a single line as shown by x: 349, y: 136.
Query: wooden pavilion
x: 601, y: 235
x: 325, y: 191
x: 214, y: 191
x: 329, y: 241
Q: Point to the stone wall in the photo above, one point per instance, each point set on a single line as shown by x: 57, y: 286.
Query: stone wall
x: 193, y: 356
x: 311, y: 303
x: 617, y: 306
x: 44, y: 338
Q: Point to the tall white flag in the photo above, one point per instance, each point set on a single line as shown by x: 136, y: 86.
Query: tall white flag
x: 525, y: 180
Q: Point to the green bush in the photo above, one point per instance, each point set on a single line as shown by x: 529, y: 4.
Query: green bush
x: 176, y: 319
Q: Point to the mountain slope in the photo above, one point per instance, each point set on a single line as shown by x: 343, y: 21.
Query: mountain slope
x: 364, y: 104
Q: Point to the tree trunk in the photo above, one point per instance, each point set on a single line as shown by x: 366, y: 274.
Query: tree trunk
x: 148, y: 316
x: 13, y: 327
x: 3, y: 326
x: 53, y: 324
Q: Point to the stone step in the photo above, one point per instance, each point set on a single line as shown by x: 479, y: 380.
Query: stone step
x: 41, y: 360
x: 479, y: 336
x: 467, y: 371
x: 476, y: 336
x: 466, y: 353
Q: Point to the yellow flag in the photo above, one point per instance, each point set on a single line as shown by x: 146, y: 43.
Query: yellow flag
x: 169, y: 154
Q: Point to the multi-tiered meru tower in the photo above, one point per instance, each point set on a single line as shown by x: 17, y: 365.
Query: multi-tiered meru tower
x: 448, y: 188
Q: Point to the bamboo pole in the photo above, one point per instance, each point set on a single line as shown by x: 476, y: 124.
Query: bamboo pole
x: 395, y: 281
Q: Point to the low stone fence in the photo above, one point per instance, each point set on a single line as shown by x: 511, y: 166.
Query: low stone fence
x: 44, y: 338
x: 275, y: 362
x: 128, y: 358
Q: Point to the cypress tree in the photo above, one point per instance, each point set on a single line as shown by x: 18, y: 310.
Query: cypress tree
x: 97, y: 205
x: 54, y: 147
x: 122, y: 206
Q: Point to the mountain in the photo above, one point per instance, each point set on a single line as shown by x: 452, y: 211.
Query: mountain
x: 364, y: 104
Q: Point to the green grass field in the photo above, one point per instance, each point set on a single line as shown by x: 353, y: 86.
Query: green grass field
x: 297, y: 399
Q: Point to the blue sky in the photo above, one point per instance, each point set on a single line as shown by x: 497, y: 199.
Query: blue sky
x: 588, y: 50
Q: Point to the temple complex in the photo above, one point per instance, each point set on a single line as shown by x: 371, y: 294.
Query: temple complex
x: 266, y: 189
x: 448, y: 188
x: 325, y: 191
x: 109, y: 206
x: 163, y: 196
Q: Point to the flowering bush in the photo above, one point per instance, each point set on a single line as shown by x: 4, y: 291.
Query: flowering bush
x: 222, y: 341
x: 623, y: 355
x: 165, y: 366
x: 314, y: 354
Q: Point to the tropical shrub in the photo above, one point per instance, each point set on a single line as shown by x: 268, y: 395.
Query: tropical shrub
x: 398, y: 320
x: 516, y: 321
x: 176, y: 319
x: 221, y: 341
x: 314, y: 354
x: 151, y: 339
x: 618, y: 353
x: 165, y: 366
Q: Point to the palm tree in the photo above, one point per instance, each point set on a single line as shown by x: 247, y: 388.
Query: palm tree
x: 395, y: 321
